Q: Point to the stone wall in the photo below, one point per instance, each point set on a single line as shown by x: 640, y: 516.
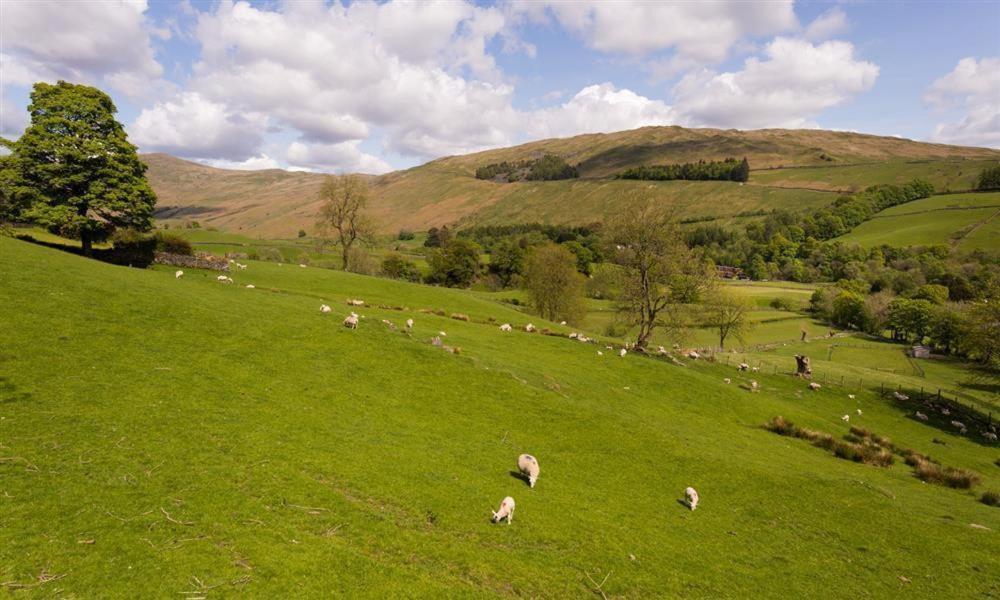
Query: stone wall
x: 199, y: 261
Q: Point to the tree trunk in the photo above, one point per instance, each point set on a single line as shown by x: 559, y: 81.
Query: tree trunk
x: 802, y: 367
x: 85, y: 242
x: 345, y: 253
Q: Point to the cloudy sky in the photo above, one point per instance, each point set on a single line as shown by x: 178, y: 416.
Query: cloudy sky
x: 372, y: 87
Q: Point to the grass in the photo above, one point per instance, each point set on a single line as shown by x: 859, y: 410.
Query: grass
x: 165, y: 436
x: 966, y: 220
x: 943, y: 174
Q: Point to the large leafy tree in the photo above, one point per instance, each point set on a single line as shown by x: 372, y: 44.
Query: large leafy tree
x: 84, y: 177
x: 554, y: 284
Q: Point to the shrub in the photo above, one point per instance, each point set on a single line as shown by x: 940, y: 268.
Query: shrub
x: 302, y: 233
x: 459, y: 317
x: 361, y: 262
x: 781, y: 304
x: 949, y: 476
x: 396, y: 267
x: 303, y: 259
x: 405, y: 234
x: 131, y: 248
x: 270, y: 254
x: 172, y: 244
x: 990, y: 498
x: 781, y: 426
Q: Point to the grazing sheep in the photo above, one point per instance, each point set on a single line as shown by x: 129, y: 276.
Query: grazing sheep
x: 845, y: 418
x: 506, y: 327
x: 693, y: 355
x: 178, y: 274
x: 302, y: 265
x: 859, y: 412
x: 754, y: 386
x: 224, y: 279
x: 727, y: 381
x: 599, y: 353
x: 528, y: 466
x: 573, y: 335
x: 351, y: 322
x: 622, y: 352
x: 353, y: 302
x: 743, y: 367
x: 442, y: 334
x: 990, y: 436
x: 920, y: 416
x: 814, y: 386
x: 251, y: 286
x: 958, y: 424
x: 691, y: 495
x: 529, y: 328
x: 506, y: 511
x: 323, y: 308
x: 409, y: 323
x: 755, y: 369
x: 900, y: 396
x: 582, y: 338
x: 241, y: 267
x: 945, y: 412
x: 562, y: 322
x: 851, y: 396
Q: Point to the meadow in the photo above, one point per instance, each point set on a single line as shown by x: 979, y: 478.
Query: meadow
x: 944, y: 175
x: 185, y: 438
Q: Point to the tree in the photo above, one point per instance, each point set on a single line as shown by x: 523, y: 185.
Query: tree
x: 507, y: 261
x: 583, y: 255
x: 728, y: 314
x: 553, y: 283
x: 989, y: 178
x: 456, y: 264
x: 980, y: 333
x: 397, y: 267
x: 660, y: 275
x: 742, y: 172
x: 436, y: 238
x: 342, y: 213
x: 85, y: 178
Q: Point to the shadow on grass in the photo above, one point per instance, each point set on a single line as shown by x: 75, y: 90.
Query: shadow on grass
x: 9, y: 393
x: 520, y: 476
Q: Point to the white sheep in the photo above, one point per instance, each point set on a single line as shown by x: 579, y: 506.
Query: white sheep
x: 859, y: 412
x: 251, y: 286
x: 323, y: 308
x: 691, y: 495
x: 178, y: 274
x: 582, y: 338
x: 599, y: 353
x: 302, y: 265
x: 506, y: 327
x: 693, y: 355
x: 727, y: 381
x: 814, y: 386
x: 241, y: 267
x: 409, y: 323
x: 958, y: 424
x: 755, y: 369
x: 754, y: 386
x: 528, y: 466
x: 920, y: 416
x: 622, y: 352
x: 529, y: 328
x: 743, y: 367
x: 851, y: 396
x: 845, y: 418
x: 573, y: 335
x: 351, y: 321
x: 900, y: 396
x: 442, y: 334
x: 990, y: 436
x: 562, y: 322
x: 224, y: 279
x: 506, y: 511
x: 353, y: 302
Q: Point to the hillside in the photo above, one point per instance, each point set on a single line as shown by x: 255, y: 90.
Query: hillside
x: 793, y: 169
x: 178, y: 437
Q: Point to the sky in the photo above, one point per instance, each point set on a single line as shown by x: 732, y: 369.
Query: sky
x: 377, y: 86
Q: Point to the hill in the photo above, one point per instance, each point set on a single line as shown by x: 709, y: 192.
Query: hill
x: 172, y: 437
x: 793, y: 169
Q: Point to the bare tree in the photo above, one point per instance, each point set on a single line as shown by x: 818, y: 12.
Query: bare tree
x: 661, y: 278
x: 342, y: 213
x: 728, y: 314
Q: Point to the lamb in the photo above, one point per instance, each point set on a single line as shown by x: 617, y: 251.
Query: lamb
x: 323, y: 308
x: 859, y: 412
x: 178, y: 274
x: 622, y: 352
x: 529, y: 328
x: 845, y: 418
x: 528, y: 466
x: 506, y: 511
x: 351, y: 321
x: 743, y: 367
x: 920, y: 416
x: 691, y: 495
x: 241, y: 267
x: 990, y: 436
x: 224, y: 279
x: 814, y: 386
x: 506, y: 327
x: 409, y: 323
x: 851, y: 396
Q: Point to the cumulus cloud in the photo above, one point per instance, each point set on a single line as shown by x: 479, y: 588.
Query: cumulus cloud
x: 794, y: 83
x: 703, y: 31
x: 345, y: 157
x: 600, y: 109
x: 195, y: 127
x: 94, y: 42
x: 975, y: 86
x: 254, y: 163
x: 827, y: 25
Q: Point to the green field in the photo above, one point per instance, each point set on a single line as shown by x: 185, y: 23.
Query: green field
x: 183, y: 438
x: 969, y: 221
x: 945, y: 175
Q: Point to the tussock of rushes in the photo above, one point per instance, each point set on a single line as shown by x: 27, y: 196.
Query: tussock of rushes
x: 859, y: 448
x: 459, y: 317
x: 864, y: 434
x: 949, y: 476
x: 990, y: 498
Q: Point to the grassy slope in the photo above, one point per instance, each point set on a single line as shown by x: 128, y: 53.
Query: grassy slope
x: 278, y: 204
x: 945, y: 175
x: 302, y: 458
x: 968, y: 220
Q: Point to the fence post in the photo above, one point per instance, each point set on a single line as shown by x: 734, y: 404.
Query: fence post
x: 939, y: 394
x: 882, y: 391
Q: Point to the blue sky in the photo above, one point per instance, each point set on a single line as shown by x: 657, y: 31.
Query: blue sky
x: 378, y: 86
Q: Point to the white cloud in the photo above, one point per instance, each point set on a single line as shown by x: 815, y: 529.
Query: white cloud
x: 254, y: 163
x: 599, y: 109
x: 796, y: 82
x: 195, y: 127
x: 91, y: 42
x: 13, y: 119
x: 345, y: 157
x: 975, y: 86
x: 827, y: 25
x: 703, y: 31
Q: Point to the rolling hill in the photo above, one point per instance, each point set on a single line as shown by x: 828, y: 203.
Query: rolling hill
x: 794, y: 169
x: 165, y: 437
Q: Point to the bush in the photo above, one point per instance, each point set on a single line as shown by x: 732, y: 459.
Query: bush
x: 361, y: 262
x: 405, y: 234
x: 459, y: 317
x: 990, y: 498
x: 781, y: 304
x: 989, y: 179
x: 949, y: 476
x: 395, y: 266
x: 302, y: 233
x: 172, y: 243
x: 270, y: 254
x: 131, y: 248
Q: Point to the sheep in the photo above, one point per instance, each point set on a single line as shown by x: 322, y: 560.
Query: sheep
x: 351, y: 321
x: 436, y: 341
x: 599, y: 353
x: 506, y: 511
x: 693, y: 355
x: 990, y: 436
x: 241, y: 267
x: 755, y: 369
x: 851, y: 396
x: 389, y: 324
x: 302, y: 265
x: 622, y: 352
x: 573, y: 335
x: 251, y: 286
x: 945, y: 412
x: 743, y: 367
x: 754, y: 386
x: 353, y: 302
x: 224, y: 279
x: 442, y: 334
x: 814, y: 386
x: 529, y: 328
x: 323, y: 308
x: 562, y: 322
x: 506, y: 327
x: 900, y: 396
x: 845, y: 418
x: 727, y: 381
x: 178, y: 274
x: 409, y: 323
x: 528, y: 466
x: 920, y: 416
x: 958, y: 424
x: 859, y: 412
x: 582, y: 338
x: 691, y: 495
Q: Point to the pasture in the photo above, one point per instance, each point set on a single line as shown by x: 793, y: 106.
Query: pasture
x: 182, y: 437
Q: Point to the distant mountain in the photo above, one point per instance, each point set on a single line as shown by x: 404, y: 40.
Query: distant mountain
x: 795, y: 169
